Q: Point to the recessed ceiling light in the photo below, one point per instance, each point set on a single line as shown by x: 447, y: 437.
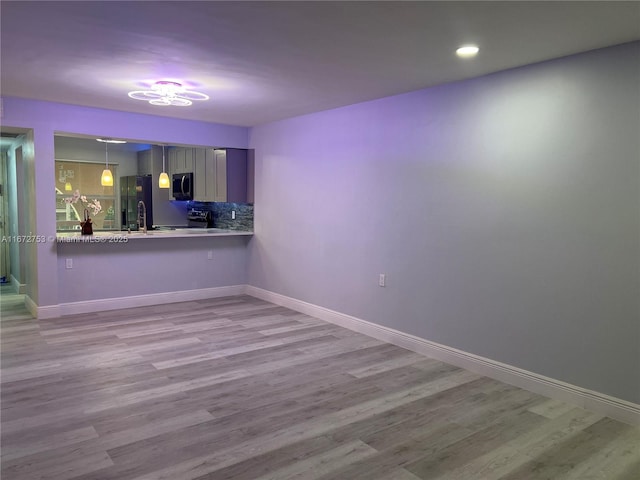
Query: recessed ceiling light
x: 467, y: 51
x: 167, y: 93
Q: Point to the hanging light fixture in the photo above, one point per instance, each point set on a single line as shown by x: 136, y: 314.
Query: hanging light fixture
x: 106, y: 180
x: 166, y: 93
x: 67, y: 187
x: 163, y: 180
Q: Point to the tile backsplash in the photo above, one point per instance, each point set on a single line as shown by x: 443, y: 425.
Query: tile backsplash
x: 222, y: 213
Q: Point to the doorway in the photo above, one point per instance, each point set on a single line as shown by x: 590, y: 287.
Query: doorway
x: 13, y: 226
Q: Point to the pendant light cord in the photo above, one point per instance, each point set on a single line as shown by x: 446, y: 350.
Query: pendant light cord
x: 106, y: 155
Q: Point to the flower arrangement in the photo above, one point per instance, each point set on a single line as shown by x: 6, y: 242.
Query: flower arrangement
x: 88, y: 207
x: 92, y: 205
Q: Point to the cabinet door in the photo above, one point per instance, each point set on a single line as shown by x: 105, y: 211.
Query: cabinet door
x: 210, y: 174
x: 220, y: 175
x: 200, y: 175
x: 171, y: 167
x: 188, y: 166
x: 181, y: 160
x: 172, y: 161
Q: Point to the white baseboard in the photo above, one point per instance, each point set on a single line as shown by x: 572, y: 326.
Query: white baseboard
x: 19, y: 288
x: 49, y: 311
x: 104, y: 304
x: 30, y: 305
x: 616, y: 408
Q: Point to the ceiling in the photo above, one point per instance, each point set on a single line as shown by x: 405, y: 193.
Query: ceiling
x: 265, y: 61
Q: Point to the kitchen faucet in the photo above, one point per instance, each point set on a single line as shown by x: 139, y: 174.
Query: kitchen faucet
x: 142, y: 216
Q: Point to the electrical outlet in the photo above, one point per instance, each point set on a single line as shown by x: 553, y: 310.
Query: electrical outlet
x: 233, y: 214
x: 210, y: 255
x: 382, y: 279
x: 68, y: 263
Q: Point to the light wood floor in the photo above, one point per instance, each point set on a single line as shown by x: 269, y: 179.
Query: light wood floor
x: 237, y: 388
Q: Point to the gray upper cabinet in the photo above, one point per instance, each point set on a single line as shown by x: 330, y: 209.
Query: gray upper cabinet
x: 180, y: 160
x: 200, y: 192
x: 219, y: 174
x: 205, y: 177
x: 210, y: 174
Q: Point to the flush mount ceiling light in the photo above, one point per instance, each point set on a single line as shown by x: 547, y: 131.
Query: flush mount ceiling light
x: 168, y: 93
x: 467, y: 51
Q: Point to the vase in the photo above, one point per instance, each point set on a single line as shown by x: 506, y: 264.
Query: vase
x: 86, y: 225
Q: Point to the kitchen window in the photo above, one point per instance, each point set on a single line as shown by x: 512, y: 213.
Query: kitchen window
x: 83, y: 178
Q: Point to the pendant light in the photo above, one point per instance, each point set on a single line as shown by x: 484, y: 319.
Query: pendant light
x: 163, y: 180
x: 107, y: 178
x: 67, y: 187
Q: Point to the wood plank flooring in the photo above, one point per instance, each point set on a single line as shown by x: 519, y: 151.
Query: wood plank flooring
x: 236, y: 388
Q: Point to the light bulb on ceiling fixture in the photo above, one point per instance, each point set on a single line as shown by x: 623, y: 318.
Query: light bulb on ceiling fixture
x: 166, y: 93
x: 163, y: 180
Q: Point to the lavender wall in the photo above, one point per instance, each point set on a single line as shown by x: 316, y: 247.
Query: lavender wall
x: 47, y: 118
x: 504, y: 211
x: 100, y: 122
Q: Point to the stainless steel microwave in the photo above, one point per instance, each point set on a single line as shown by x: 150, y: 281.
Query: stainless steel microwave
x: 182, y: 185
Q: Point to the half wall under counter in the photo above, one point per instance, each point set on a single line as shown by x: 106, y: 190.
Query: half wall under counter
x: 113, y: 270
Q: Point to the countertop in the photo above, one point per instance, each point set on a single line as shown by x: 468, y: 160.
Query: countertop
x: 123, y: 237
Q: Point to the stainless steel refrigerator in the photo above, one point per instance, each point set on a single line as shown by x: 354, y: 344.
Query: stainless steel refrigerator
x: 134, y: 189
